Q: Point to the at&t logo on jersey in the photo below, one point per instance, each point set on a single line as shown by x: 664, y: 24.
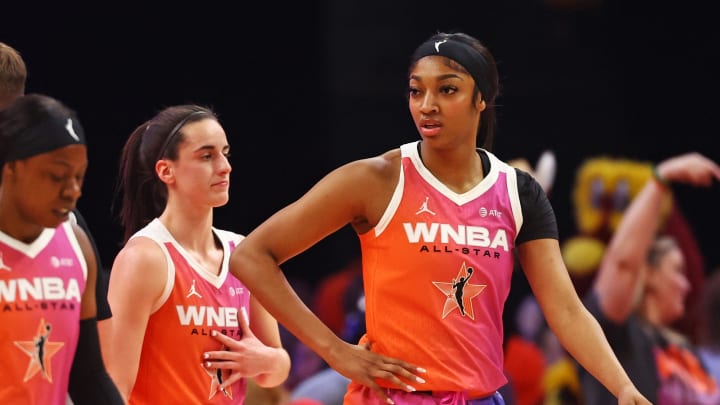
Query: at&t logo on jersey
x: 233, y: 291
x: 61, y: 262
x: 484, y: 212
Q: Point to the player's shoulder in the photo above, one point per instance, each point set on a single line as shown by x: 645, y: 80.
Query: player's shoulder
x: 77, y: 230
x: 385, y: 165
x: 228, y: 236
x: 140, y: 250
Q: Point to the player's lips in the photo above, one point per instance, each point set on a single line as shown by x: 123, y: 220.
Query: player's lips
x: 430, y: 127
x: 62, y: 212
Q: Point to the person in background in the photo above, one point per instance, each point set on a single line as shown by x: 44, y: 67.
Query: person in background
x: 13, y: 79
x: 13, y: 75
x: 48, y: 327
x: 432, y: 216
x: 640, y: 290
x: 709, y: 325
x: 326, y: 385
x: 184, y: 330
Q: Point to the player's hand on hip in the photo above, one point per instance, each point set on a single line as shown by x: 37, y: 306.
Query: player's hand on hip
x: 360, y: 364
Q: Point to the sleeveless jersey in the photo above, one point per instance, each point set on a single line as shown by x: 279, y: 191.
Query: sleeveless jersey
x: 194, y: 303
x: 41, y: 284
x: 437, y: 270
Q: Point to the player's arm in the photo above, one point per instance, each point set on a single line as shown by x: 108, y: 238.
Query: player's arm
x: 137, y: 279
x: 357, y: 194
x: 265, y: 328
x: 336, y: 200
x: 89, y: 380
x: 577, y: 330
x: 101, y: 305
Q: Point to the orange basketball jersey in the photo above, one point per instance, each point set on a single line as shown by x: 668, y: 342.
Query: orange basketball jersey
x: 41, y: 284
x: 437, y: 271
x: 195, y: 302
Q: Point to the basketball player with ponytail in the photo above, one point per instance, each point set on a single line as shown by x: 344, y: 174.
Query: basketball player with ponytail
x: 183, y: 330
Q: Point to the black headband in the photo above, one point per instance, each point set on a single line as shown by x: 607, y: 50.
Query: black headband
x: 53, y: 133
x: 175, y: 131
x: 462, y: 53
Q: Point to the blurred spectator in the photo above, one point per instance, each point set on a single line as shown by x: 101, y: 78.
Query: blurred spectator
x: 640, y: 291
x: 327, y: 386
x: 709, y: 335
x: 525, y: 361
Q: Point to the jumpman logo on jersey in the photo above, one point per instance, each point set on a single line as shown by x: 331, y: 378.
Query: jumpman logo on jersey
x: 4, y: 266
x: 40, y: 351
x: 193, y: 291
x: 217, y: 378
x: 424, y: 208
x: 459, y: 293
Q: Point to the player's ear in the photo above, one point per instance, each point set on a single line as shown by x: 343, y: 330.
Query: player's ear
x: 164, y: 170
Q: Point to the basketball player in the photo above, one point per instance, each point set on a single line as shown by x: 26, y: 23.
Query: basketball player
x: 13, y: 78
x: 426, y: 213
x: 48, y: 327
x: 184, y: 330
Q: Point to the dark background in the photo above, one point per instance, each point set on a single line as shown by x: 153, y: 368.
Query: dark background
x: 302, y: 87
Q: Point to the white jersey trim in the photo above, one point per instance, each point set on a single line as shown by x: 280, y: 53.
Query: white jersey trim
x: 157, y: 232
x: 31, y: 249
x: 496, y: 165
x: 411, y: 150
x: 512, y: 187
x: 393, y: 205
x: 70, y: 233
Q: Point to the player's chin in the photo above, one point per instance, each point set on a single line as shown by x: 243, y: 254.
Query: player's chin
x: 677, y: 313
x: 220, y: 200
x: 54, y: 219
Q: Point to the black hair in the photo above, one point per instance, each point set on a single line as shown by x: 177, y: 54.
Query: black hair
x: 24, y: 114
x: 487, y: 82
